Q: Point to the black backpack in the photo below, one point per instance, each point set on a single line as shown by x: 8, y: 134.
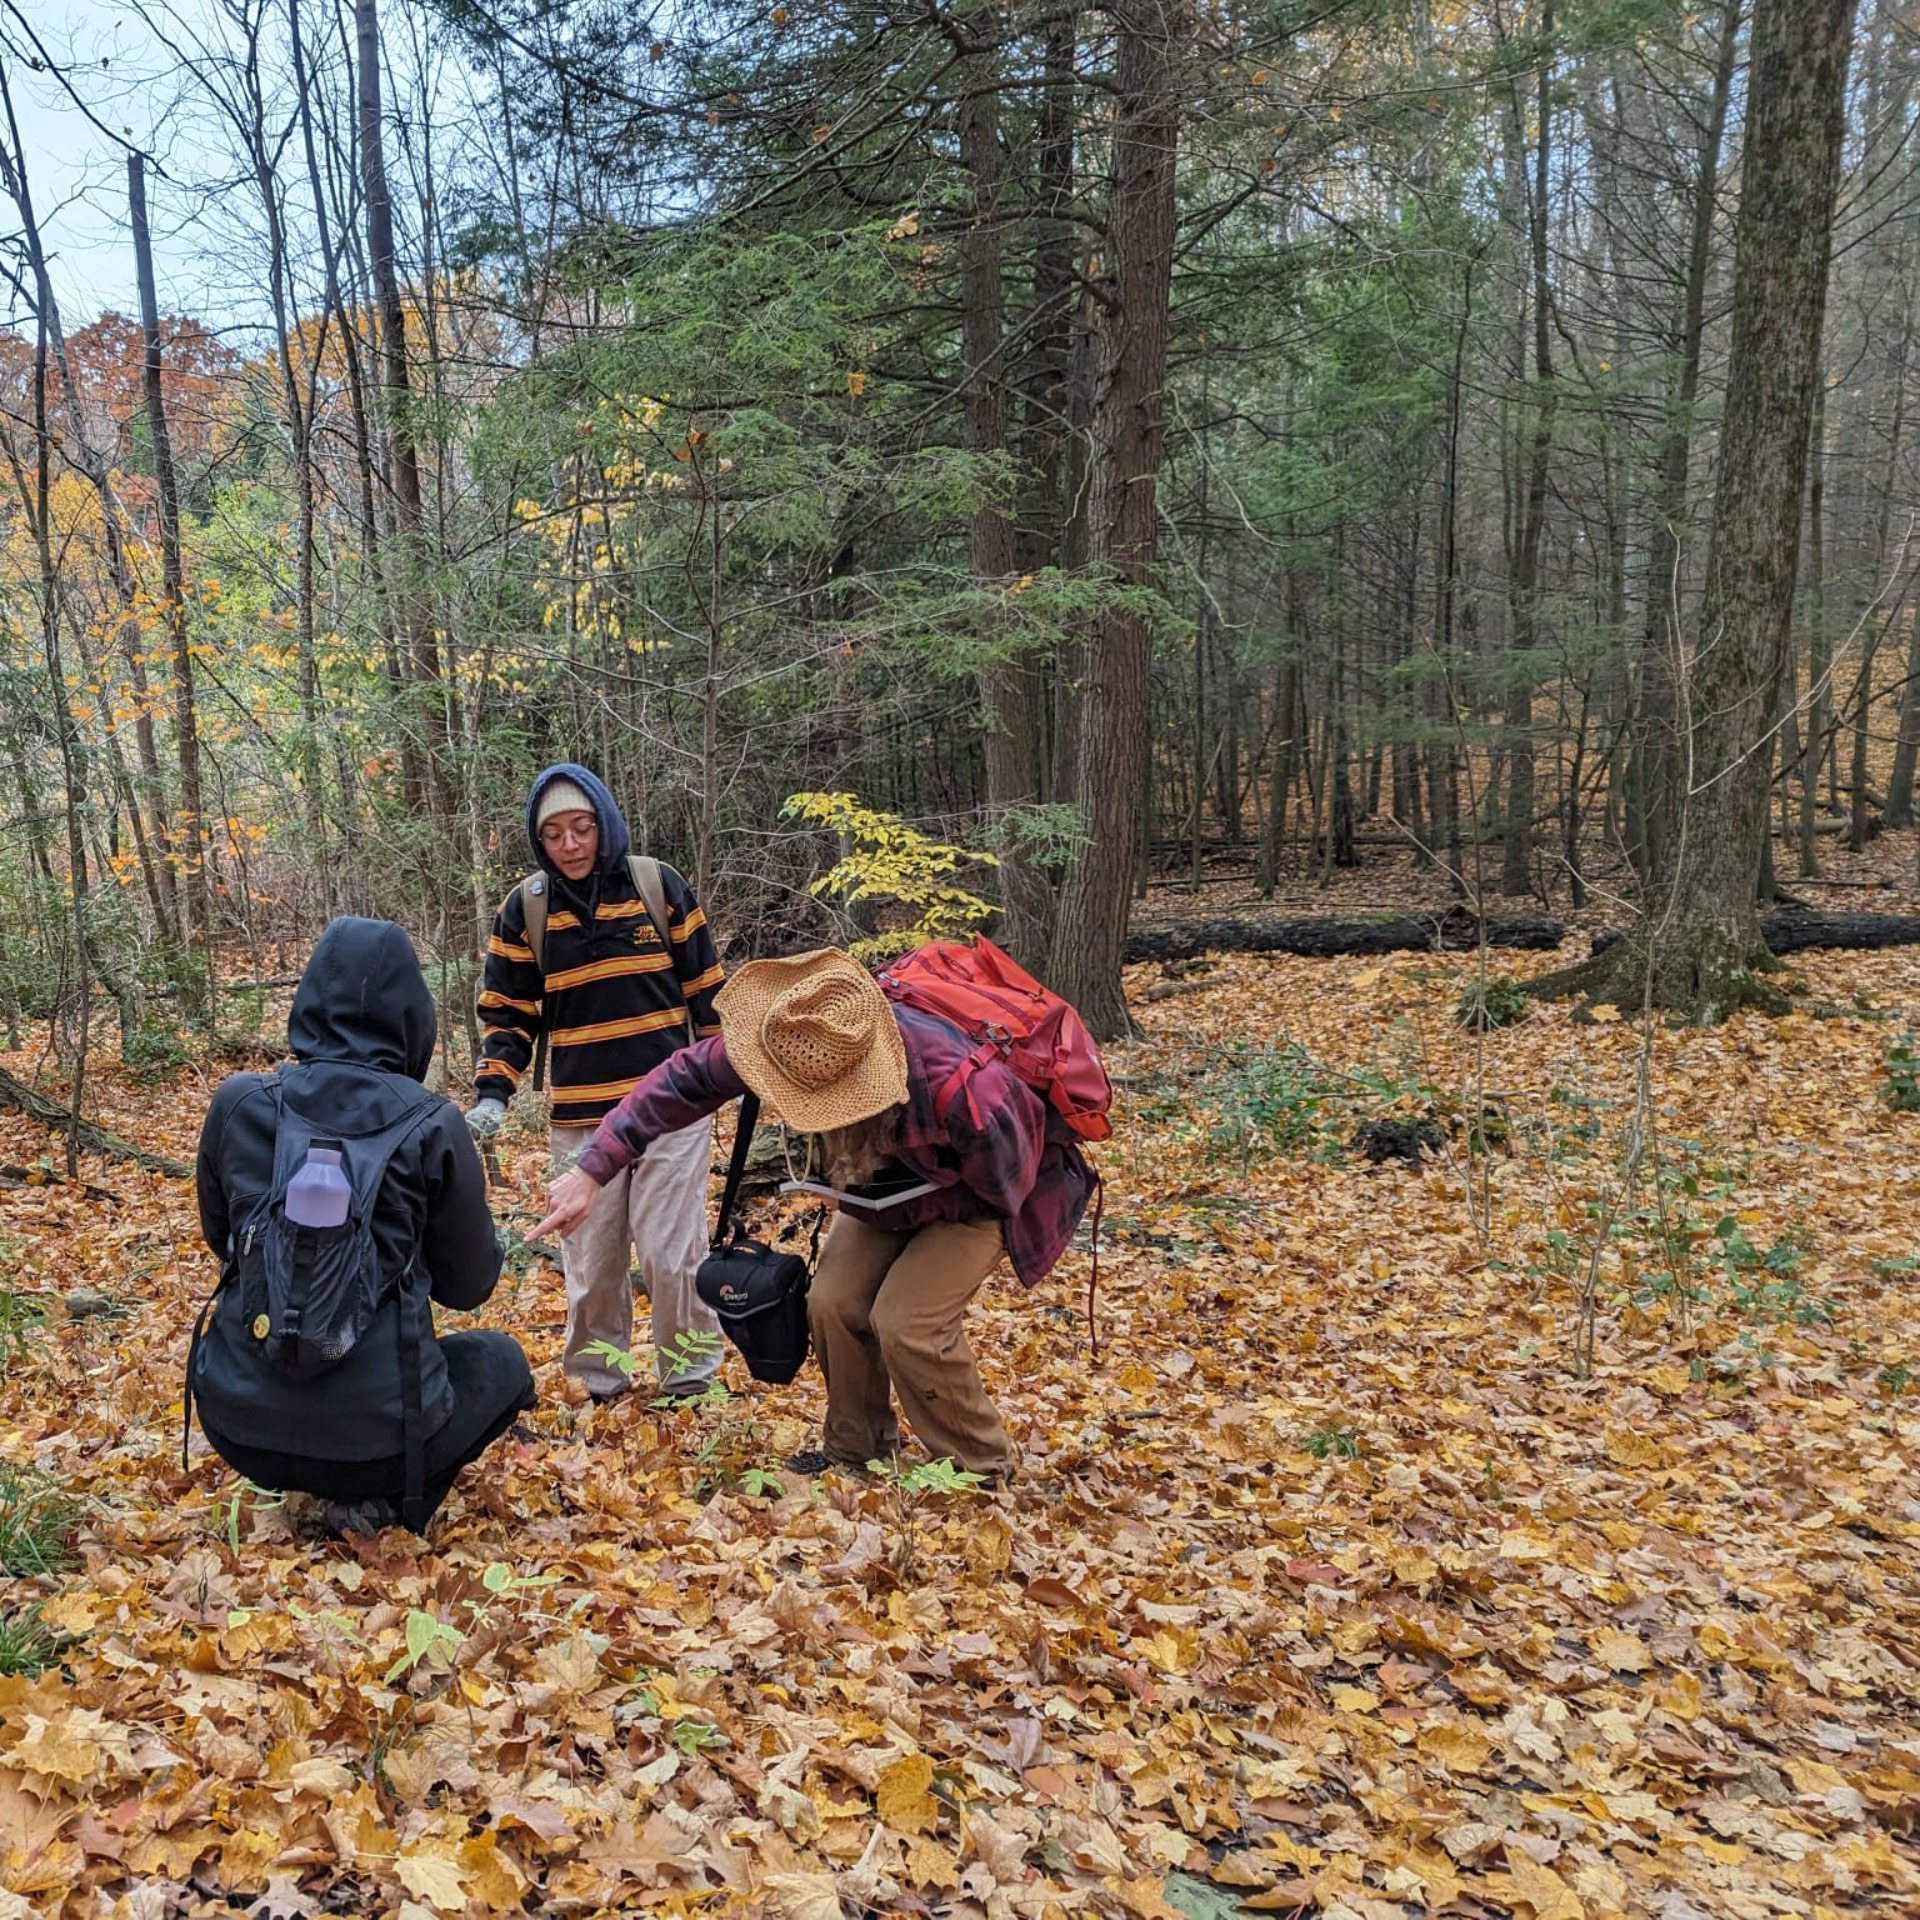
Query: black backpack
x: 758, y: 1293
x: 308, y: 1294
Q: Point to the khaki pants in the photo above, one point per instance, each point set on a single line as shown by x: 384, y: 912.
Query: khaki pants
x: 658, y: 1207
x: 886, y: 1310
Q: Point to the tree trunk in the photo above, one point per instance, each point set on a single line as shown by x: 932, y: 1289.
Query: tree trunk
x: 420, y: 651
x: 1040, y: 535
x: 1129, y: 438
x: 1656, y: 773
x: 1907, y: 747
x: 1820, y: 656
x: 192, y: 838
x: 1698, y: 944
x: 1009, y: 685
x: 1516, y: 867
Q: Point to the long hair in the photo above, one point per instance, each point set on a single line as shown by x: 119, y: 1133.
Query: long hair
x: 848, y: 1155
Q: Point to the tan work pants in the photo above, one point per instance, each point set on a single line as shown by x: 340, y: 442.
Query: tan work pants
x: 658, y: 1207
x: 886, y: 1310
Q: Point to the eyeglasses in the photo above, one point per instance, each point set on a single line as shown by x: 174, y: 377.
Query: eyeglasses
x: 558, y: 834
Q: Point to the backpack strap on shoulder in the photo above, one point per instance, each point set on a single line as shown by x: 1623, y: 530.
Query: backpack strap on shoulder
x: 534, y: 891
x: 415, y: 1313
x: 649, y: 878
x: 413, y: 1437
x: 399, y: 1131
x: 272, y: 1087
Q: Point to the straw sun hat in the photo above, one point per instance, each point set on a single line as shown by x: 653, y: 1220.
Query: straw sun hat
x: 815, y: 1038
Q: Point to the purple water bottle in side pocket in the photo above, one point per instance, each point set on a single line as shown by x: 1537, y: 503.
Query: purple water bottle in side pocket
x: 318, y: 1194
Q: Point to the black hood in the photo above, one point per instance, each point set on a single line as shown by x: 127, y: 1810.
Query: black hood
x: 364, y: 999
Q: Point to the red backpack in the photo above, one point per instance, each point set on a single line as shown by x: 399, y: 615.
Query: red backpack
x: 1011, y: 1017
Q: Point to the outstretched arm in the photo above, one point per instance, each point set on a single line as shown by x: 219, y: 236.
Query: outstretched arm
x: 691, y: 1084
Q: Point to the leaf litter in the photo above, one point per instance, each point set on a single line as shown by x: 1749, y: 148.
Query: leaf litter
x: 1333, y: 1587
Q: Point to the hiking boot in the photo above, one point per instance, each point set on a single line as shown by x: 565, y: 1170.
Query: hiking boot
x: 339, y: 1518
x: 810, y: 1461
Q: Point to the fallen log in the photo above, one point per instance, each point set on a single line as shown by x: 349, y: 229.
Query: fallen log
x: 1800, y: 932
x: 39, y: 1106
x: 1320, y: 938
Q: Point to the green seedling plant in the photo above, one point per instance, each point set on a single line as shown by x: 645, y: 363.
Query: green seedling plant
x: 37, y: 1520
x: 651, y: 1688
x: 227, y: 1510
x: 1901, y: 1087
x: 23, y: 1327
x: 910, y: 1489
x: 1331, y: 1443
x: 28, y: 1646
x: 503, y: 1585
x: 732, y: 1457
x: 1767, y: 1285
x: 695, y: 1737
x: 685, y: 1353
x: 692, y: 1351
x: 1499, y: 1000
x: 426, y: 1639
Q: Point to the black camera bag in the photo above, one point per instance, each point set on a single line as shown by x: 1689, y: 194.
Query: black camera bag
x: 758, y: 1292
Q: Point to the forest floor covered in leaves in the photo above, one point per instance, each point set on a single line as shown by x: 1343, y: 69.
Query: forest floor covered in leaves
x: 1336, y: 1584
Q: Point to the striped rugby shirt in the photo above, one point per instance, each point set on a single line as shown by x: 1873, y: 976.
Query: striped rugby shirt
x: 613, y: 1003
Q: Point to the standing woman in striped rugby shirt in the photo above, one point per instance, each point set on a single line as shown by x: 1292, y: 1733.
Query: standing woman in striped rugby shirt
x: 616, y: 996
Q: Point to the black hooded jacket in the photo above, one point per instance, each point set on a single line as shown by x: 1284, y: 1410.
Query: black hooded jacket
x: 362, y: 1003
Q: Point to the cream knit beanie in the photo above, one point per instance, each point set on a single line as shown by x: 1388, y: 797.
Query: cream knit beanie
x: 561, y: 796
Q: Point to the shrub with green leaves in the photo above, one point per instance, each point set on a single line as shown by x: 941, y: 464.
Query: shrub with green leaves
x: 1498, y: 1000
x: 1901, y: 1088
x: 1274, y: 1100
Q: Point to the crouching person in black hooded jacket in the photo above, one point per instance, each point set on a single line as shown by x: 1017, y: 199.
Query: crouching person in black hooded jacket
x: 318, y: 1371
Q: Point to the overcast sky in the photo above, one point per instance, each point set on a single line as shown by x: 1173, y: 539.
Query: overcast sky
x: 78, y: 173
x: 207, y: 253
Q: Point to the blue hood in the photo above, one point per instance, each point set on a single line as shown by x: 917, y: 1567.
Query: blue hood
x: 614, y: 843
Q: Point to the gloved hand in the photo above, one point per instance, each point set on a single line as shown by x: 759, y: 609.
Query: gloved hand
x: 483, y: 1118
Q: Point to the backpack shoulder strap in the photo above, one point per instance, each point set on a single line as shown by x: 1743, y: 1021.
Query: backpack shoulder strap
x: 391, y: 1138
x: 533, y: 892
x: 650, y: 882
x: 287, y: 1142
x: 533, y: 909
x: 273, y: 1087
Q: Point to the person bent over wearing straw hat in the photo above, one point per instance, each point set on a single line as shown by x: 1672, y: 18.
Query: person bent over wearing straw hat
x: 825, y: 1049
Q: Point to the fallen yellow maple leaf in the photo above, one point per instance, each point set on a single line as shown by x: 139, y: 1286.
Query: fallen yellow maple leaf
x: 902, y: 1799
x: 1527, y: 1883
x: 1624, y: 1652
x: 433, y: 1878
